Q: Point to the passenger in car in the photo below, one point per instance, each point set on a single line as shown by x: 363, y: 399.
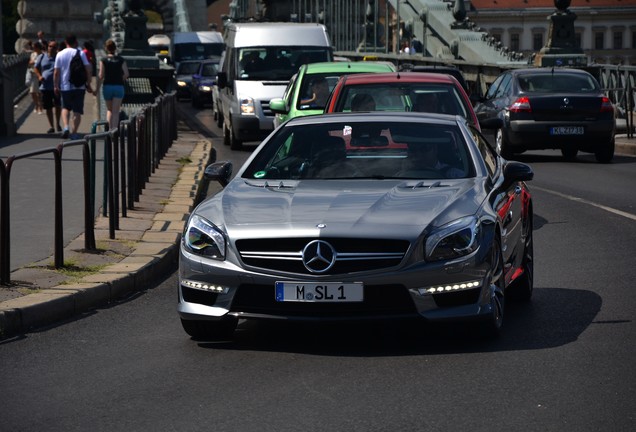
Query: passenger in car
x: 427, y: 102
x: 362, y: 102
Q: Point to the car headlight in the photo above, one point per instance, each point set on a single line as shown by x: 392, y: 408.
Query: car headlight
x: 453, y: 240
x: 201, y: 237
x: 182, y: 83
x: 247, y: 105
x: 205, y: 88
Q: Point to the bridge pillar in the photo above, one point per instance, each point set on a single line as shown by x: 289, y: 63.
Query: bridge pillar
x: 560, y: 48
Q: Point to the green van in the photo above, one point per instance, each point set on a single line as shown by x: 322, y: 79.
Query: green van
x: 308, y: 90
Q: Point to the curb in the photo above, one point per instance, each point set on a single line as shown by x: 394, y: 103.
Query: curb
x: 154, y: 255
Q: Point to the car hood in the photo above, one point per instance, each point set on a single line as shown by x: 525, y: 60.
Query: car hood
x: 255, y: 208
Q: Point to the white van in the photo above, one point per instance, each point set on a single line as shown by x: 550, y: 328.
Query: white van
x: 195, y: 45
x: 259, y: 61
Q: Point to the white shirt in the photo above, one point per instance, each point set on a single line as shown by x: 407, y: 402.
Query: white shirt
x: 63, y: 62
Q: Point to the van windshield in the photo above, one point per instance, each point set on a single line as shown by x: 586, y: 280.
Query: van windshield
x: 277, y: 63
x: 197, y: 51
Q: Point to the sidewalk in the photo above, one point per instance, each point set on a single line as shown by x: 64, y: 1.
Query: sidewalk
x: 145, y: 248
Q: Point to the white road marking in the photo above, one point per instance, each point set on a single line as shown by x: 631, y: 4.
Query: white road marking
x: 584, y: 201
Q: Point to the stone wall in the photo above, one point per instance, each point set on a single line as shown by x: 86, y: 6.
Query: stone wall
x: 56, y: 19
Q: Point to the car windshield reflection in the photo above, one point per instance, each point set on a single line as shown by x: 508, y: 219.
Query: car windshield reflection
x: 364, y: 150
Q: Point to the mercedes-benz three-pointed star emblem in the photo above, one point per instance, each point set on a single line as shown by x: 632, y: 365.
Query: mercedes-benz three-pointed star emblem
x: 318, y: 256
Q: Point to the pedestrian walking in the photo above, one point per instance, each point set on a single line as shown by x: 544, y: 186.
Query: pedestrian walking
x: 89, y: 50
x: 113, y: 72
x: 42, y: 40
x: 34, y: 84
x: 72, y: 95
x: 50, y: 101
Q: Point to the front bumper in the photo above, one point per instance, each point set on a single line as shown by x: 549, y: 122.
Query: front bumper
x: 427, y: 290
x: 251, y: 127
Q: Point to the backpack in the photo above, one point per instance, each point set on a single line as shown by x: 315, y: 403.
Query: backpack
x: 77, y: 75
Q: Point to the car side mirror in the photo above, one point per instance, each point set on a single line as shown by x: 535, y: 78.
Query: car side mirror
x: 221, y: 79
x: 219, y: 171
x: 278, y: 106
x: 515, y: 172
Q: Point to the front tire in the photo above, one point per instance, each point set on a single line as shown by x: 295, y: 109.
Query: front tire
x: 492, y: 326
x: 219, y: 119
x: 235, y: 144
x: 212, y: 330
x: 521, y: 289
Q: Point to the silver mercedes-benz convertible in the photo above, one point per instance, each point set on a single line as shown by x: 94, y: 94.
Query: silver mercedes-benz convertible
x: 376, y: 215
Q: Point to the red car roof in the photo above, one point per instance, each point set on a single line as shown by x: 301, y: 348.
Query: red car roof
x: 391, y: 77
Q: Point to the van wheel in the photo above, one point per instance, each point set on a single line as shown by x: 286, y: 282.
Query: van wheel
x: 235, y: 144
x: 226, y: 135
x: 219, y: 119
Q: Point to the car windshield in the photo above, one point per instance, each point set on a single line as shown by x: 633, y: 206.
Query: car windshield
x: 188, y: 68
x: 363, y: 150
x: 315, y: 90
x: 421, y: 97
x: 209, y: 70
x: 549, y: 82
x: 197, y: 50
x: 277, y: 63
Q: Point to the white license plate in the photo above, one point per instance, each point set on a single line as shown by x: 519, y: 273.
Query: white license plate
x: 327, y: 292
x: 567, y: 130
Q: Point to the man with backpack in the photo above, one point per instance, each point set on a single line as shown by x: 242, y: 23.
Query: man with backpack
x: 72, y: 80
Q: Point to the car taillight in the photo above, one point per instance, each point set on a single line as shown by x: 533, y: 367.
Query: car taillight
x: 606, y: 105
x: 522, y: 104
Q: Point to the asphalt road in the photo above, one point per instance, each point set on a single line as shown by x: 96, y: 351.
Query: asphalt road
x: 564, y: 363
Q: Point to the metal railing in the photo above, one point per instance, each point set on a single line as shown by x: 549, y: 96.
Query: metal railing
x: 131, y: 154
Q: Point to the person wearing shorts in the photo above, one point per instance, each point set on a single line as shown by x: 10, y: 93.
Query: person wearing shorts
x: 72, y: 97
x: 113, y: 72
x: 44, y: 72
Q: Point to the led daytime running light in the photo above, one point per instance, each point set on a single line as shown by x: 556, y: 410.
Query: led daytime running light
x: 449, y: 288
x: 204, y: 286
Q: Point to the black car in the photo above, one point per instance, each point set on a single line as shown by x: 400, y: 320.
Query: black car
x: 550, y: 108
x: 184, y: 72
x: 203, y: 80
x: 449, y: 70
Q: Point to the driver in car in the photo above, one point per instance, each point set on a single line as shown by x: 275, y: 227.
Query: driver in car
x: 424, y: 156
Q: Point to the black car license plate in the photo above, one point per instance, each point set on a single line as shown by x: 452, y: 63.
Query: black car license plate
x: 567, y: 130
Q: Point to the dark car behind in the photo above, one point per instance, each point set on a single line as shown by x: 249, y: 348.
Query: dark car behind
x: 550, y: 108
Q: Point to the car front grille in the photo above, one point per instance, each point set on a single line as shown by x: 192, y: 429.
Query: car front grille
x: 379, y: 301
x: 267, y: 112
x: 352, y: 255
